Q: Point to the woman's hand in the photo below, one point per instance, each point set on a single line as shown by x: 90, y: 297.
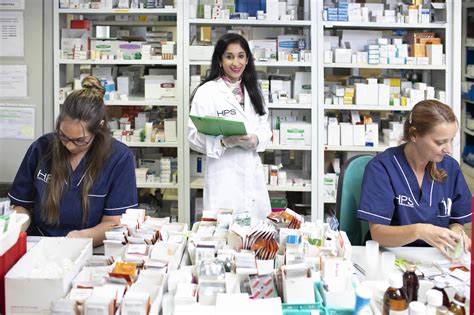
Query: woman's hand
x: 77, y: 234
x: 232, y: 141
x: 459, y: 229
x: 438, y: 237
x: 249, y: 142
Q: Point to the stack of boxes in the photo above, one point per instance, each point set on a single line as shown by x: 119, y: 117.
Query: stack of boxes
x: 426, y: 48
x: 165, y: 170
x: 338, y: 13
x: 393, y: 135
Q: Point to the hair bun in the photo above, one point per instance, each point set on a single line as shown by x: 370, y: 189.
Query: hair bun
x: 94, y: 85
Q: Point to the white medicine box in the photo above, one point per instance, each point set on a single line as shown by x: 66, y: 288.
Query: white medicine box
x: 159, y: 86
x: 295, y: 133
x: 44, y: 274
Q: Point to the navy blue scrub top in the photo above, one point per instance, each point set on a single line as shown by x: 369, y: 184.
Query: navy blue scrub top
x: 391, y: 194
x: 113, y: 191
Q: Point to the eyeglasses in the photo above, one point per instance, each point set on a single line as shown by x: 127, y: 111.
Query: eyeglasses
x: 80, y: 142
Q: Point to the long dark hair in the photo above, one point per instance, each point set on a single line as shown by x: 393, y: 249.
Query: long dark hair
x: 249, y: 76
x: 86, y: 105
x: 424, y: 116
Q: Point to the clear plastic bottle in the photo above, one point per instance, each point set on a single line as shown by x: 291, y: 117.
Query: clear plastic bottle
x: 395, y: 300
x: 411, y: 283
x: 440, y: 284
x: 457, y: 304
x: 434, y: 298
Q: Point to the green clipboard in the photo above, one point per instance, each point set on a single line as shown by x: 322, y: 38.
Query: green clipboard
x: 215, y: 126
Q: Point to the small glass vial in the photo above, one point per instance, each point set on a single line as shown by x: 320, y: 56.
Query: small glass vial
x: 457, y: 304
x: 434, y: 298
x: 395, y: 300
x: 411, y: 283
x: 440, y: 284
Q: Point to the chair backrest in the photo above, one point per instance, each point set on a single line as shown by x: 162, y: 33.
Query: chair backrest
x: 348, y: 198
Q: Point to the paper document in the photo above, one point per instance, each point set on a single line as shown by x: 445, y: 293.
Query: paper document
x: 12, y: 4
x: 13, y: 81
x: 11, y: 34
x: 214, y: 126
x: 17, y: 121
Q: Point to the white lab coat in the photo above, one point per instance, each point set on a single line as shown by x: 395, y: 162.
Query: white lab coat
x: 234, y: 176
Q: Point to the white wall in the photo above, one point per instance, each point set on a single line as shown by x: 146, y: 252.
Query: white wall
x: 38, y: 15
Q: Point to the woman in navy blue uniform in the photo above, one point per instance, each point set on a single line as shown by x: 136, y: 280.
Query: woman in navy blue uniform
x: 415, y: 194
x: 78, y: 180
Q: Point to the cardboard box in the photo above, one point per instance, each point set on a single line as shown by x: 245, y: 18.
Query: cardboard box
x: 170, y: 130
x: 347, y: 134
x: 27, y: 294
x: 359, y: 135
x: 435, y: 54
x: 295, y: 133
x: 334, y: 134
x: 159, y: 86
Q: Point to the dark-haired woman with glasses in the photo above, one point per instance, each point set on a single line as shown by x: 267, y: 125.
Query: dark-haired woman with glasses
x: 78, y: 180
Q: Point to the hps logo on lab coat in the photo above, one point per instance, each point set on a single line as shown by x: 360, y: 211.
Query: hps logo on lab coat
x: 404, y: 201
x: 226, y: 112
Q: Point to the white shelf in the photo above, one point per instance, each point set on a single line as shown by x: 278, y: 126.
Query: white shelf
x: 367, y: 107
x: 135, y: 23
x: 346, y: 148
x: 198, y: 183
x: 469, y: 132
x: 117, y: 62
x: 468, y: 76
x: 141, y: 101
x: 467, y: 169
x: 288, y: 147
x: 329, y: 201
x: 290, y: 106
x: 119, y: 11
x: 249, y: 22
x: 468, y: 101
x: 156, y: 185
x: 383, y: 25
x: 384, y: 66
x: 258, y: 63
x: 151, y: 144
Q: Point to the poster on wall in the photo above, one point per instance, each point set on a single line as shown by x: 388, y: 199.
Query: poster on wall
x: 11, y: 34
x: 13, y: 81
x: 12, y: 4
x: 17, y: 121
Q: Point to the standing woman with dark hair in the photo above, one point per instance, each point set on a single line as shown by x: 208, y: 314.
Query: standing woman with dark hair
x: 234, y: 174
x: 415, y: 194
x: 77, y: 181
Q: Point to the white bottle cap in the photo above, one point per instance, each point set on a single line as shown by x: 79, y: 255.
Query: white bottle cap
x: 417, y: 308
x: 395, y: 280
x: 434, y: 298
x: 440, y: 282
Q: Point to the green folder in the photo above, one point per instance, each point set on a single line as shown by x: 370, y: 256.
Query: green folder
x: 215, y: 126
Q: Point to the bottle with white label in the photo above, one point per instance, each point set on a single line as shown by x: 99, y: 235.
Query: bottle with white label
x: 395, y: 301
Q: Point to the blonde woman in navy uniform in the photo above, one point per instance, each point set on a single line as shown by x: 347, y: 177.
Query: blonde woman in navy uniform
x: 234, y: 173
x: 415, y: 194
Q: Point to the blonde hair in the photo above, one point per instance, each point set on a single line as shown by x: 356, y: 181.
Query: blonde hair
x: 424, y: 116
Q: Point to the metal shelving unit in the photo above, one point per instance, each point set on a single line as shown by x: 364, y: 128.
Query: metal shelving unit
x: 448, y: 73
x: 64, y: 71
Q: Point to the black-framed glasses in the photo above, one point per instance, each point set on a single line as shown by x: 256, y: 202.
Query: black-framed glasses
x: 80, y: 142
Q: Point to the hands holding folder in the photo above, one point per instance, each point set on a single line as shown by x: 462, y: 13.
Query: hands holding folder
x: 234, y: 132
x: 248, y: 142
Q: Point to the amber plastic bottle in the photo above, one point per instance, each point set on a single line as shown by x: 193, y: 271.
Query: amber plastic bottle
x: 411, y: 283
x: 395, y: 299
x: 440, y: 284
x: 457, y: 305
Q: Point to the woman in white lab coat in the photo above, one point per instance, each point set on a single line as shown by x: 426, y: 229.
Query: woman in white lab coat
x: 234, y: 176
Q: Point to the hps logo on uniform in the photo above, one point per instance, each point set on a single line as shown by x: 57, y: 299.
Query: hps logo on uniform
x: 45, y: 177
x: 405, y: 201
x: 226, y: 112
